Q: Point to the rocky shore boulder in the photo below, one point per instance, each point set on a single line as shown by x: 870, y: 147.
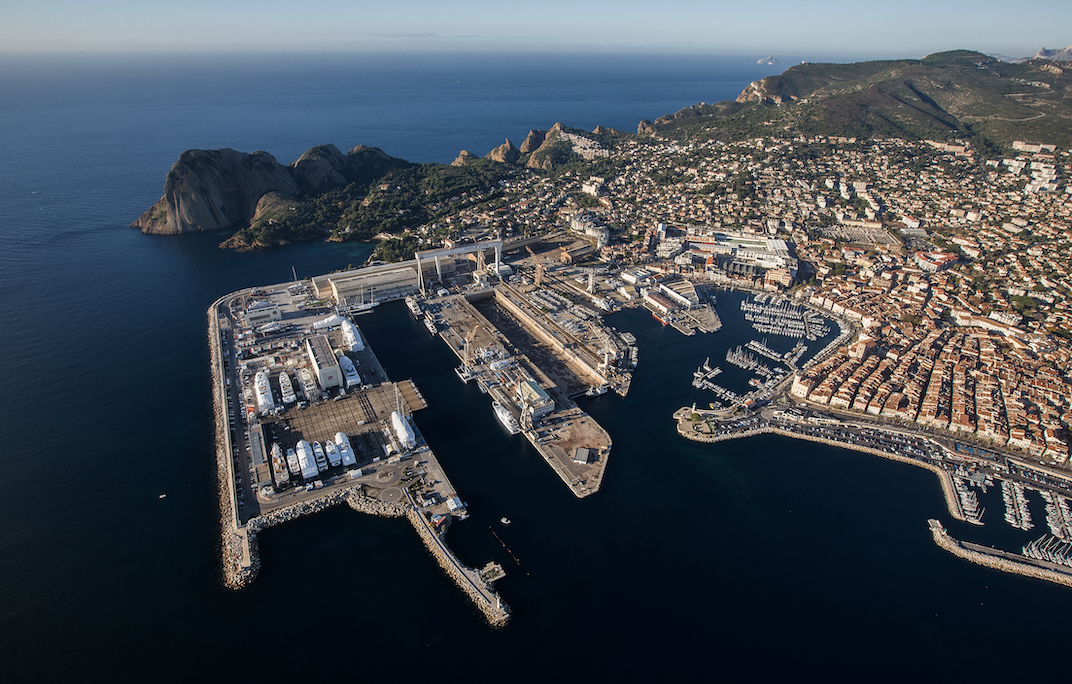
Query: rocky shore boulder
x: 505, y: 153
x: 645, y: 127
x: 213, y: 189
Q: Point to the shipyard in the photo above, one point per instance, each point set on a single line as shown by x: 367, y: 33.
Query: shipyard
x: 309, y: 418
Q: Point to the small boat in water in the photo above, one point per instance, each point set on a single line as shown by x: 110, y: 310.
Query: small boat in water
x: 504, y: 520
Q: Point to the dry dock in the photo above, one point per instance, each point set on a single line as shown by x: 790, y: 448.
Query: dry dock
x: 567, y: 438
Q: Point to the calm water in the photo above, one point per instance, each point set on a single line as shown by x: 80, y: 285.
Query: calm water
x: 756, y: 559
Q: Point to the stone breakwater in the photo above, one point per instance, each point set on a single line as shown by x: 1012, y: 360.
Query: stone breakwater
x: 239, y: 566
x: 952, y: 501
x: 997, y: 560
x: 468, y: 580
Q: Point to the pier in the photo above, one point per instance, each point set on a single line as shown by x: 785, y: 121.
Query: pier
x: 572, y: 443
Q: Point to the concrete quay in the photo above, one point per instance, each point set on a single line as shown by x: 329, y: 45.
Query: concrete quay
x: 557, y: 436
x: 999, y: 560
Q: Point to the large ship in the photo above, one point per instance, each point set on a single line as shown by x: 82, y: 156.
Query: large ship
x: 332, y: 453
x: 431, y: 325
x: 307, y: 461
x: 351, y: 336
x: 506, y: 418
x: 319, y: 457
x: 345, y: 450
x: 309, y: 386
x: 265, y: 402
x: 414, y: 307
x: 279, y: 466
x: 286, y: 388
x: 292, y: 463
x: 349, y: 371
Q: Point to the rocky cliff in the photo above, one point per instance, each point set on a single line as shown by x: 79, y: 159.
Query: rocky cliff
x: 215, y: 189
x: 505, y: 153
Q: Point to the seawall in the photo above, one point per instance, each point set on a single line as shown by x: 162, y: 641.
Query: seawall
x: 993, y: 558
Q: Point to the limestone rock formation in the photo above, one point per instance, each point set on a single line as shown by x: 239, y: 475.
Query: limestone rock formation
x: 533, y: 141
x: 645, y: 127
x: 505, y: 153
x: 319, y: 166
x: 213, y: 189
x: 464, y: 157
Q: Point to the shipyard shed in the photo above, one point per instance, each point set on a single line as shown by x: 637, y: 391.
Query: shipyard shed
x: 325, y: 365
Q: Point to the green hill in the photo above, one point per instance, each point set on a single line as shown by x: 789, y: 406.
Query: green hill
x: 958, y: 94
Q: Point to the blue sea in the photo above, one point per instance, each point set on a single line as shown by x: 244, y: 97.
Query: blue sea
x: 762, y: 559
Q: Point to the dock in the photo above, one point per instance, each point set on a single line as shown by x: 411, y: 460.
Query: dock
x: 572, y: 443
x: 392, y: 476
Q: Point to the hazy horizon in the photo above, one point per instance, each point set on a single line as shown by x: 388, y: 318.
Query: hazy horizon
x: 785, y: 30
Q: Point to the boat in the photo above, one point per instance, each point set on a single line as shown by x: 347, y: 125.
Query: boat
x: 506, y: 418
x: 346, y: 452
x: 658, y: 318
x: 292, y: 463
x: 504, y: 520
x: 406, y: 439
x: 596, y: 390
x: 265, y: 401
x: 279, y: 466
x: 286, y: 388
x: 320, y: 457
x: 331, y: 450
x: 349, y: 371
x: 431, y: 325
x: 414, y: 307
x: 309, y: 386
x: 351, y: 336
x: 307, y: 460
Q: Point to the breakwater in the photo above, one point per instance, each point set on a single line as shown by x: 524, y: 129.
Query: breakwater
x: 685, y: 429
x: 239, y: 562
x: 993, y: 558
x: 467, y: 579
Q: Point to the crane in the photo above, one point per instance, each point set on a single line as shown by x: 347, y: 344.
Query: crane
x: 468, y: 341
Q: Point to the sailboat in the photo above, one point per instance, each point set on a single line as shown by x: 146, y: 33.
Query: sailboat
x: 363, y: 307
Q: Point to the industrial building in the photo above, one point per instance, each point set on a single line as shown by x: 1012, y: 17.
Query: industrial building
x: 535, y: 397
x: 262, y: 312
x: 325, y: 365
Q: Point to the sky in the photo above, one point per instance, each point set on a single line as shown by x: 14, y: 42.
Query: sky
x: 783, y: 28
